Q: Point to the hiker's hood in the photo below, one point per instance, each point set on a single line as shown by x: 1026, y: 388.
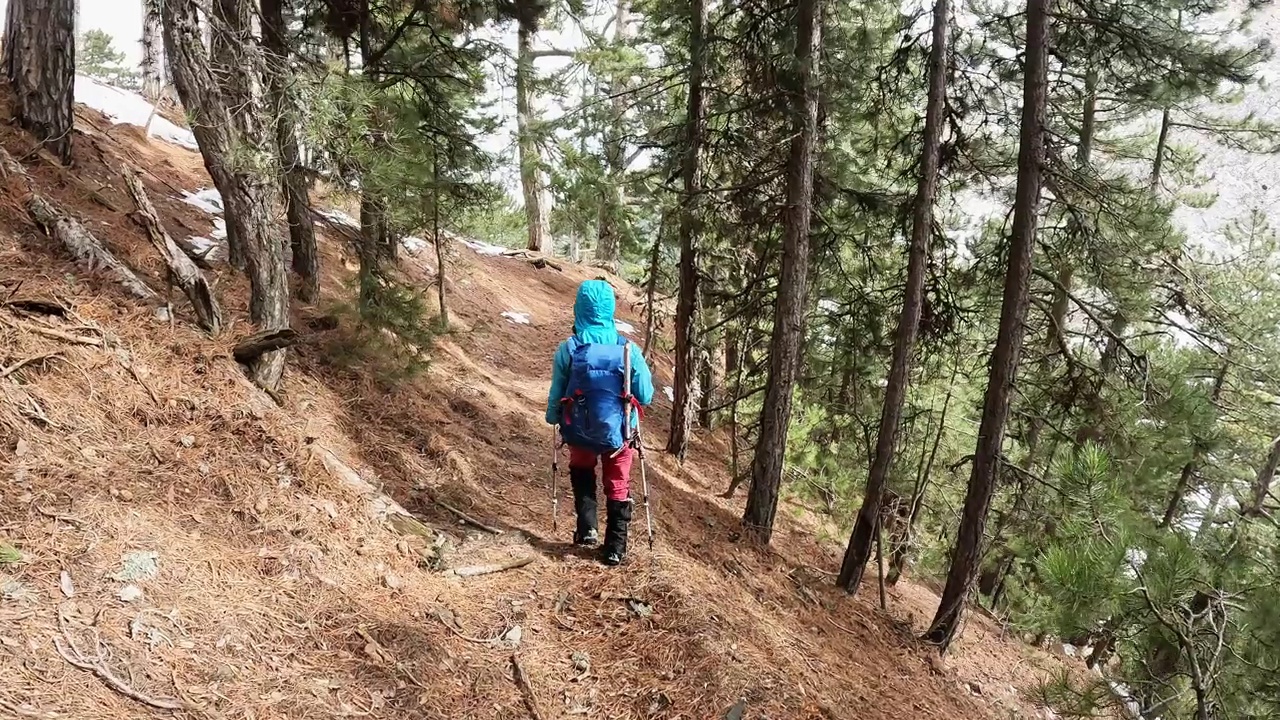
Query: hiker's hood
x: 593, y: 313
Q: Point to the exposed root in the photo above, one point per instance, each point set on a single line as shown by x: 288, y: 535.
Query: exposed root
x: 97, y: 666
x: 526, y: 688
x: 6, y: 372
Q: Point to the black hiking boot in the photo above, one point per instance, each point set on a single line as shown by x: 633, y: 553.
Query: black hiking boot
x: 617, y: 518
x: 583, y: 481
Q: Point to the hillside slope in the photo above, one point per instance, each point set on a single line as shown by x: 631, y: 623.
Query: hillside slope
x: 187, y: 543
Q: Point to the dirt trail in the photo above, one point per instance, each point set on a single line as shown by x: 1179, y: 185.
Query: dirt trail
x: 273, y: 593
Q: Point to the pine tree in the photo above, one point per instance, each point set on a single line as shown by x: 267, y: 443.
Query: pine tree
x: 789, y: 310
x: 239, y: 157
x: 687, y: 304
x: 868, y: 524
x: 1004, y: 360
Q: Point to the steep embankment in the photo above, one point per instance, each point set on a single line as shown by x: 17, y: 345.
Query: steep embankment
x: 185, y: 544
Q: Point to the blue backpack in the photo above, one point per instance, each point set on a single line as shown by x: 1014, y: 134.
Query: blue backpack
x: 593, y: 402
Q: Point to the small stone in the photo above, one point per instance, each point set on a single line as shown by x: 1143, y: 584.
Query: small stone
x: 115, y: 492
x: 204, y: 468
x: 64, y: 582
x: 261, y: 506
x: 511, y: 638
x: 126, y: 494
x: 975, y: 688
x: 392, y: 581
x: 187, y: 441
x: 89, y: 453
x: 130, y: 593
x: 264, y: 464
x: 21, y: 448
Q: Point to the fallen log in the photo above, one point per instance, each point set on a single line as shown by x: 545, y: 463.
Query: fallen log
x: 76, y: 238
x: 182, y: 269
x: 250, y: 348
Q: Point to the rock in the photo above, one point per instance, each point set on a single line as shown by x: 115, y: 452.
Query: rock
x: 187, y: 441
x: 581, y: 661
x: 138, y: 565
x: 974, y: 687
x: 261, y: 506
x: 392, y: 581
x: 64, y: 582
x: 21, y: 449
x: 126, y: 494
x: 130, y: 593
x: 512, y: 637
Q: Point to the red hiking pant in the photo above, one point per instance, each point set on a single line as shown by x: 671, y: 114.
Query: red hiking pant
x: 617, y: 470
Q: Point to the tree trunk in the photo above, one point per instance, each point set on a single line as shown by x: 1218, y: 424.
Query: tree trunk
x: 612, y: 202
x: 40, y: 62
x: 793, y: 278
x: 687, y: 304
x: 859, y: 548
x: 1262, y: 483
x: 302, y: 233
x: 1174, y: 507
x: 439, y: 243
x: 153, y: 65
x: 530, y: 161
x: 923, y: 479
x: 245, y: 189
x: 651, y: 288
x: 1162, y: 143
x: 967, y: 553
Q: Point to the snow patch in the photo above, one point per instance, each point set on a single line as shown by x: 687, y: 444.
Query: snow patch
x: 338, y: 217
x: 483, y: 248
x: 126, y: 108
x: 219, y: 229
x: 1069, y: 650
x: 670, y: 392
x: 624, y: 327
x: 517, y: 318
x: 207, y: 199
x: 207, y: 248
x: 414, y: 245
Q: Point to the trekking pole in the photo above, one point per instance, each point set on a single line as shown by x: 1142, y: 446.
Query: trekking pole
x: 644, y: 484
x: 555, y: 489
x: 633, y: 439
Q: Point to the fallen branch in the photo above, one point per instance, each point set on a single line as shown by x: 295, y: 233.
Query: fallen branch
x: 461, y: 515
x: 475, y: 570
x: 250, y: 348
x: 181, y: 268
x: 75, y: 237
x: 6, y: 372
x: 52, y: 333
x: 526, y: 688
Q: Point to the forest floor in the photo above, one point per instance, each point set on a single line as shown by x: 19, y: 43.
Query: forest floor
x: 184, y: 546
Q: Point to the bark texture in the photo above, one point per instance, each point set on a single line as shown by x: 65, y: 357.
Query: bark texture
x: 864, y: 530
x: 40, y: 62
x: 967, y: 553
x: 687, y: 303
x: 793, y: 279
x: 305, y: 257
x: 530, y: 160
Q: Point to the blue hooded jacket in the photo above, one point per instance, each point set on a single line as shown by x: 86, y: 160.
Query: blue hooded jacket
x: 593, y: 323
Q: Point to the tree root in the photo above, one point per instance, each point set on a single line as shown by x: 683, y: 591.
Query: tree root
x: 97, y: 666
x: 526, y: 688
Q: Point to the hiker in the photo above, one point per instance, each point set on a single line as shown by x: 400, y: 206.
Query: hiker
x: 588, y: 400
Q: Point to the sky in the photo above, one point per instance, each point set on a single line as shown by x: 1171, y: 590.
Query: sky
x: 121, y: 19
